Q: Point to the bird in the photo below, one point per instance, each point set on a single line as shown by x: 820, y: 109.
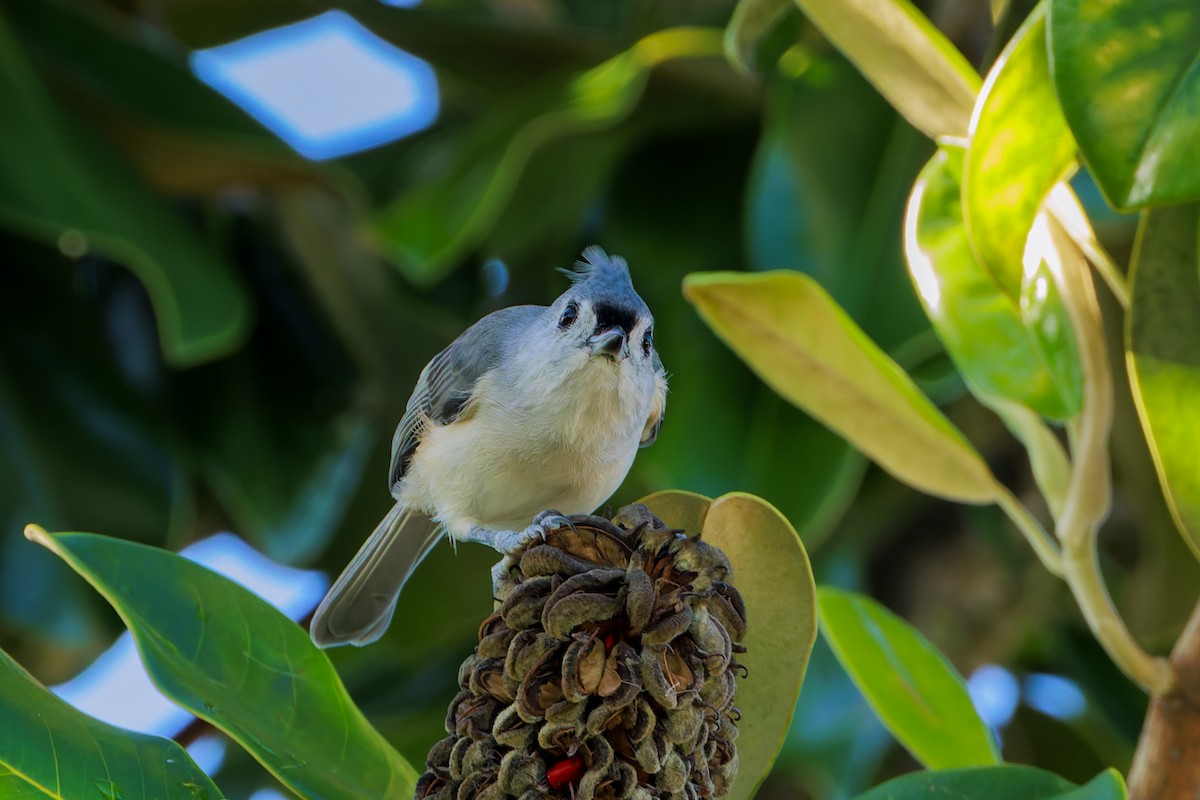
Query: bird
x: 533, y: 414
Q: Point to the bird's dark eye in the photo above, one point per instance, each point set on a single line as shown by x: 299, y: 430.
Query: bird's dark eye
x: 647, y: 341
x: 569, y: 315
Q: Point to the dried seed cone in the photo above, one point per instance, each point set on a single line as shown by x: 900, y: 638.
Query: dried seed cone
x: 607, y: 672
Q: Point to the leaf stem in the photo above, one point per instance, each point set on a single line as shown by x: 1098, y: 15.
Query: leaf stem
x: 1108, y: 270
x: 1088, y: 493
x: 1042, y: 543
x: 1069, y: 214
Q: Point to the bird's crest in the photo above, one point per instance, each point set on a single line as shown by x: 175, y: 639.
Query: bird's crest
x: 596, y: 263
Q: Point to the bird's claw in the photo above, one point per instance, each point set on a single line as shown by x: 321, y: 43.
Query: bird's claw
x: 551, y: 520
x: 543, y: 525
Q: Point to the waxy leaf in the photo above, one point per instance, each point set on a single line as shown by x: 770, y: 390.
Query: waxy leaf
x: 1128, y: 77
x: 50, y: 750
x: 15, y: 787
x: 771, y: 570
x: 233, y: 660
x: 1005, y: 782
x: 983, y: 328
x: 914, y: 690
x: 1108, y: 785
x: 1163, y: 349
x: 62, y: 184
x: 789, y: 331
x: 895, y: 47
x: 1020, y: 147
x: 464, y: 189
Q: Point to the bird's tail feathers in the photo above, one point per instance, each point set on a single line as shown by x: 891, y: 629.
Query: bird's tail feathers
x: 360, y: 604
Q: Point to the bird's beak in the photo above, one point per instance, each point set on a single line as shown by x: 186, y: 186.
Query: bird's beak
x: 611, y: 343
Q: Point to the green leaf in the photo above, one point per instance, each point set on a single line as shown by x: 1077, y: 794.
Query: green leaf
x: 182, y: 134
x: 67, y: 410
x: 895, y: 47
x: 1108, y: 785
x: 788, y: 330
x: 1020, y: 148
x: 827, y: 200
x: 1163, y: 349
x: 1005, y: 782
x: 14, y: 787
x: 751, y: 21
x: 771, y: 570
x: 467, y: 182
x: 63, y: 185
x: 914, y: 690
x: 1128, y: 77
x: 231, y: 659
x: 983, y: 328
x: 50, y: 750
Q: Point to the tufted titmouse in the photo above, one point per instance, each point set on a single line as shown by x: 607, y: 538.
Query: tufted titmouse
x: 532, y: 408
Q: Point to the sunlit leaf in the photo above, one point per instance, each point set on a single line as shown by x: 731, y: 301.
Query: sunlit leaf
x: 982, y: 327
x: 1127, y: 79
x: 771, y: 571
x: 62, y: 184
x: 915, y: 691
x: 997, y: 783
x: 233, y: 660
x: 1020, y: 147
x: 1163, y: 349
x: 897, y: 49
x: 795, y: 338
x: 50, y: 750
x: 459, y: 197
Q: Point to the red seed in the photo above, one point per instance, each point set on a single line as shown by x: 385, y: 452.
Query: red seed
x: 566, y: 771
x: 609, y: 641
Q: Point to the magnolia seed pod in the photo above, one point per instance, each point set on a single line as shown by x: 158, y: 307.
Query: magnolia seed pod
x: 607, y: 672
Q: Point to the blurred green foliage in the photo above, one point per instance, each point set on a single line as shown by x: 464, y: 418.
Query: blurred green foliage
x: 201, y: 330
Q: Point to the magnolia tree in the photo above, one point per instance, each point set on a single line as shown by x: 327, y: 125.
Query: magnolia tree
x: 660, y: 654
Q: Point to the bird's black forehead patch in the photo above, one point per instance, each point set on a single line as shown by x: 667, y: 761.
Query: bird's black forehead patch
x: 610, y: 314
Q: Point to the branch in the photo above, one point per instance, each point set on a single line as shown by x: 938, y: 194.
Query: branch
x: 1166, y: 764
x: 1088, y: 494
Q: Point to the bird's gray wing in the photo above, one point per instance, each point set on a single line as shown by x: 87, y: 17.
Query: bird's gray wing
x: 448, y: 381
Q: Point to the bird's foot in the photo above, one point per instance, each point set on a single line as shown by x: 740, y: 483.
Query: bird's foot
x: 510, y: 542
x: 543, y: 524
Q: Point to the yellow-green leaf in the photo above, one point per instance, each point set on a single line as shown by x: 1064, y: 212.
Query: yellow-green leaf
x: 999, y: 346
x: 792, y: 334
x: 1163, y: 349
x: 771, y: 570
x: 895, y: 47
x: 1020, y: 148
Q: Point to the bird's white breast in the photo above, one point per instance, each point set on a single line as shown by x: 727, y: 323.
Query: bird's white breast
x: 566, y: 447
